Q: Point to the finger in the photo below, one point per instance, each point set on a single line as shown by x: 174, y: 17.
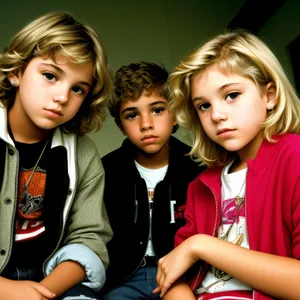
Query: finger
x: 159, y: 269
x: 160, y: 280
x: 43, y: 290
x: 164, y: 286
x: 156, y: 290
x: 161, y: 284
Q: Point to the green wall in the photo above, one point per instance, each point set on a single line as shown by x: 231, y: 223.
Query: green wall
x: 161, y: 31
x: 280, y: 30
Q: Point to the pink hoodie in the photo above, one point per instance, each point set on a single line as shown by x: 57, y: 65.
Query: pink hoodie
x: 272, y: 203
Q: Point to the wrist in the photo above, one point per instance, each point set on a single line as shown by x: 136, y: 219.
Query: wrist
x: 197, y: 246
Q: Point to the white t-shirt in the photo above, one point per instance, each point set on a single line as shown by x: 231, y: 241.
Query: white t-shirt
x: 233, y: 185
x: 152, y: 177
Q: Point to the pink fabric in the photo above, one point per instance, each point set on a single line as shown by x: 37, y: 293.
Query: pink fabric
x: 236, y: 295
x: 272, y: 203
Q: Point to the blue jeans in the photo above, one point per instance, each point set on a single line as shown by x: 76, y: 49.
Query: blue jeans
x: 79, y: 292
x: 138, y: 287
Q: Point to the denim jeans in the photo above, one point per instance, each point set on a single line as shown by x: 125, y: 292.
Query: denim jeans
x: 138, y: 287
x: 78, y: 292
x: 23, y: 274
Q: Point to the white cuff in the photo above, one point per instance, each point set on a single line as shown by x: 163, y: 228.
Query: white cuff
x: 95, y: 271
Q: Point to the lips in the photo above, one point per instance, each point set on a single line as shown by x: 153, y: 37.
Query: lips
x: 54, y: 111
x: 220, y: 131
x: 149, y: 138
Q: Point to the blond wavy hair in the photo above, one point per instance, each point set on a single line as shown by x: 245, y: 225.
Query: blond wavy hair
x: 54, y: 33
x: 244, y: 54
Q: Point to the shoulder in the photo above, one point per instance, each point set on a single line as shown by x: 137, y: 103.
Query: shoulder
x: 85, y: 146
x: 178, y: 146
x: 181, y: 166
x: 293, y: 140
x: 286, y: 145
x: 119, y: 155
x: 285, y: 150
x: 88, y: 156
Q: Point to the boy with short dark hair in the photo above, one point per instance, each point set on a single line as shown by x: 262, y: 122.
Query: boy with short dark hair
x: 146, y: 181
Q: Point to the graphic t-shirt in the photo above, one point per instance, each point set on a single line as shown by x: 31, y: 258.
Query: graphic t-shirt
x: 233, y: 227
x: 152, y: 177
x: 28, y: 248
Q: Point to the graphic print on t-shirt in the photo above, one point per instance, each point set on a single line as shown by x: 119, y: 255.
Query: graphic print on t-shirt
x: 30, y: 205
x: 230, y: 211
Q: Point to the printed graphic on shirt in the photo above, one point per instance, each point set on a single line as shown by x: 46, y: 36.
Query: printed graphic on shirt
x: 151, y: 194
x: 230, y: 211
x: 234, y: 227
x: 30, y: 205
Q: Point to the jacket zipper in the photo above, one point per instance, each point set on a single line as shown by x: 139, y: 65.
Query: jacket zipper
x: 194, y: 287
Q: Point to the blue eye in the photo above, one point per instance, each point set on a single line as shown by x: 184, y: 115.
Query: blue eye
x: 49, y: 76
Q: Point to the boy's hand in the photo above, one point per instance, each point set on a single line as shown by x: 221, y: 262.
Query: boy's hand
x: 175, y: 264
x: 24, y: 289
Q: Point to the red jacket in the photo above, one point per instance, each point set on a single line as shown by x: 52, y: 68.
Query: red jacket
x: 272, y: 203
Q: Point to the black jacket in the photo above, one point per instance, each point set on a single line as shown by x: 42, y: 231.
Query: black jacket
x: 127, y: 205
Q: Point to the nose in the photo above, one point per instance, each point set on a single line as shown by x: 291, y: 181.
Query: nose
x: 146, y: 122
x: 61, y: 96
x: 219, y: 113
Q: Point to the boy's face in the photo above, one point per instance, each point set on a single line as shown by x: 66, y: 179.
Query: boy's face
x: 147, y: 122
x: 50, y: 93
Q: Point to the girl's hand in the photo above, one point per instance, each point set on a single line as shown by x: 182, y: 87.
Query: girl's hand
x: 24, y: 289
x: 176, y: 263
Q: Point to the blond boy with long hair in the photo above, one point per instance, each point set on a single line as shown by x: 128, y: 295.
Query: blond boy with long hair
x: 54, y: 84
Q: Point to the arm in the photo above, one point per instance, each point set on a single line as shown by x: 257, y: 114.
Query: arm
x: 276, y: 276
x: 179, y: 291
x: 23, y: 289
x: 83, y: 252
x: 66, y: 275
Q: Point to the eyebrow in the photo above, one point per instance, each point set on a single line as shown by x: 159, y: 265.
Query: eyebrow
x: 59, y: 70
x: 223, y: 87
x: 133, y: 108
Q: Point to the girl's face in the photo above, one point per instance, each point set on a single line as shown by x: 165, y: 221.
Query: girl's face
x: 49, y: 93
x: 232, y: 109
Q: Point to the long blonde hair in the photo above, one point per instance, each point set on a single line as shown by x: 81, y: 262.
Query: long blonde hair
x: 245, y: 54
x: 47, y: 36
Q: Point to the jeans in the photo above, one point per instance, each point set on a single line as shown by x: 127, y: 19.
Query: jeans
x: 78, y: 292
x: 23, y: 274
x: 139, y: 286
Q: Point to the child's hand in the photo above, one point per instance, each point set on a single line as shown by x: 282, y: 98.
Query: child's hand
x: 25, y: 289
x: 174, y: 264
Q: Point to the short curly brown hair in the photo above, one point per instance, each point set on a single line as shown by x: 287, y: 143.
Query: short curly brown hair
x: 137, y: 78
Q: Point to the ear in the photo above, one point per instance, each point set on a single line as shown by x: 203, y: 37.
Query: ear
x: 272, y: 99
x: 119, y: 124
x: 175, y: 122
x: 14, y: 78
